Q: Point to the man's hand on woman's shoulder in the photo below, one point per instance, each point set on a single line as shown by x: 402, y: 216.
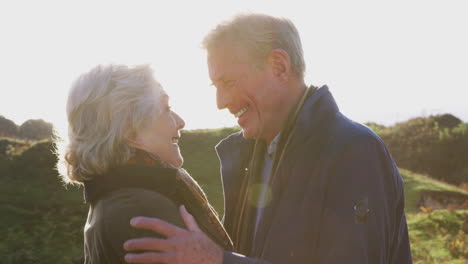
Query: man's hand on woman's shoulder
x: 187, y: 246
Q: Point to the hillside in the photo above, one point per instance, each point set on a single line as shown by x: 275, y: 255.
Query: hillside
x: 437, y: 236
x: 42, y: 222
x: 423, y: 191
x: 434, y: 145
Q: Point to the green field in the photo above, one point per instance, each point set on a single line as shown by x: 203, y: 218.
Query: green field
x: 42, y: 222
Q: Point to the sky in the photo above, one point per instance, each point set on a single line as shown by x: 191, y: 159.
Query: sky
x: 384, y: 62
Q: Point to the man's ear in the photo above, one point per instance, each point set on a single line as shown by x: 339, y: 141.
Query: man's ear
x: 280, y: 64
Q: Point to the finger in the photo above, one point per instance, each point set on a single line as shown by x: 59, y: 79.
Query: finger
x: 157, y: 225
x: 189, y: 220
x: 148, y: 243
x: 148, y: 257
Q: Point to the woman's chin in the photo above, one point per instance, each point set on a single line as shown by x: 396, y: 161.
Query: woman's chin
x: 177, y: 162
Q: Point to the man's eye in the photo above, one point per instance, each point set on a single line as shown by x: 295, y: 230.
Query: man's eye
x: 224, y: 84
x: 228, y: 84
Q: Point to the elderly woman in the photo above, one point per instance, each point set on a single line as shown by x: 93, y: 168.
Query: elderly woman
x: 123, y: 147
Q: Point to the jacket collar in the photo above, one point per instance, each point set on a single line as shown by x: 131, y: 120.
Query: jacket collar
x: 313, y: 119
x: 162, y: 180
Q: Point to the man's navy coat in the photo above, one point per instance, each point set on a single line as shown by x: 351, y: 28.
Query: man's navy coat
x: 338, y: 199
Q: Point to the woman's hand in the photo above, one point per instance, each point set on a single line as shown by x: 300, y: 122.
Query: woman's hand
x: 190, y: 246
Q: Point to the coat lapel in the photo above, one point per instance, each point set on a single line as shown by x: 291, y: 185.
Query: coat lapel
x: 234, y: 153
x: 310, y: 130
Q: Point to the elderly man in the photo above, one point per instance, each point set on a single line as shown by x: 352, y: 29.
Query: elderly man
x: 302, y: 183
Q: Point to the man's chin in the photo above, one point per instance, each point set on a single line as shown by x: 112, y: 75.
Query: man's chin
x: 247, y: 134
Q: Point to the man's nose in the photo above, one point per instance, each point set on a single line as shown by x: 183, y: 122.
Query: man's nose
x: 222, y: 98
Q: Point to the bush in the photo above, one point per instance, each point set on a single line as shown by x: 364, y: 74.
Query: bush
x: 437, y: 145
x: 35, y: 129
x: 8, y: 127
x: 42, y: 222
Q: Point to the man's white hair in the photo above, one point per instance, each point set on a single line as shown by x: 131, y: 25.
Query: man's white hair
x: 106, y: 105
x: 258, y: 34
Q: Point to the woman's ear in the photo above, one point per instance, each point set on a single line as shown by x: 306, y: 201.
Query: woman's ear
x: 132, y: 141
x: 280, y: 64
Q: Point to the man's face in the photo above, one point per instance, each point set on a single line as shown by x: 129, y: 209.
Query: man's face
x: 247, y: 92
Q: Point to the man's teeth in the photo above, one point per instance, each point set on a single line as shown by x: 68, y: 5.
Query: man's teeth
x: 241, y: 112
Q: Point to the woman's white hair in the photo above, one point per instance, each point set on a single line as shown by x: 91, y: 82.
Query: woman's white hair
x: 106, y: 105
x: 258, y: 34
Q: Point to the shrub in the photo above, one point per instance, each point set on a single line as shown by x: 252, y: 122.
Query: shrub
x: 437, y: 145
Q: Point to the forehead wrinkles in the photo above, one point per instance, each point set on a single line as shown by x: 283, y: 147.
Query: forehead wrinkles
x: 229, y: 53
x: 226, y: 60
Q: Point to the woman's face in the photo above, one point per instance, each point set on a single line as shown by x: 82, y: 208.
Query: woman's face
x: 160, y: 135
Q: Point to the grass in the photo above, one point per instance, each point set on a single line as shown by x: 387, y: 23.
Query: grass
x: 439, y: 236
x: 417, y: 184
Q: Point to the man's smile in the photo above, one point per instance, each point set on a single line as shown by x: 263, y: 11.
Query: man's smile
x: 242, y: 111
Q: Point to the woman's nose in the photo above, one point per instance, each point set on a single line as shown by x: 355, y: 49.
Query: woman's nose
x: 180, y: 122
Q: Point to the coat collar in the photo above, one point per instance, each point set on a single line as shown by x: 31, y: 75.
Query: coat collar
x: 162, y: 180
x: 313, y: 119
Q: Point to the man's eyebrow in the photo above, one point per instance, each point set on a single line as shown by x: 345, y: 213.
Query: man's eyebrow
x: 218, y: 80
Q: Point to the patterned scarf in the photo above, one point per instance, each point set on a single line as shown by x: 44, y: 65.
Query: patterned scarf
x: 189, y: 184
